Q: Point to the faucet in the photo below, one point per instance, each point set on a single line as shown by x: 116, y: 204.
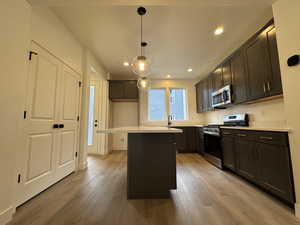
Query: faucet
x: 169, y: 121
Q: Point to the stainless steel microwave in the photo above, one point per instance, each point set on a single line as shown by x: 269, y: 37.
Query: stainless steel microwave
x: 222, y: 97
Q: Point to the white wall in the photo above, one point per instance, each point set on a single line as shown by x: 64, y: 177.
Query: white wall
x: 268, y: 114
x: 48, y: 31
x: 14, y: 43
x: 287, y: 20
x: 125, y: 114
x: 193, y: 117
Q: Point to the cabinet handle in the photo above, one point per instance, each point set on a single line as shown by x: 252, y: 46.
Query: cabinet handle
x: 61, y: 125
x: 227, y: 133
x: 264, y: 87
x: 242, y: 135
x: 266, y: 138
x: 55, y: 126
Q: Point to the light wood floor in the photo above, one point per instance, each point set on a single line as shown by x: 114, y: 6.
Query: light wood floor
x: 205, y: 196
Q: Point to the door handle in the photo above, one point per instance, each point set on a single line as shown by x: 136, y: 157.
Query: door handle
x: 266, y: 138
x: 61, y: 125
x: 55, y: 126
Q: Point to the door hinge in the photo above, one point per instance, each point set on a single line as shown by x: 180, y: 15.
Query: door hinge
x: 80, y: 83
x: 76, y: 154
x: 78, y: 118
x: 32, y: 53
x: 25, y: 114
x: 19, y: 178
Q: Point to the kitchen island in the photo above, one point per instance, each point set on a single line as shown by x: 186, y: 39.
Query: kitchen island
x: 151, y: 163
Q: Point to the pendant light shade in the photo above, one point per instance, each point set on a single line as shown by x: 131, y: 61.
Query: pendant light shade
x: 141, y: 66
x: 144, y: 83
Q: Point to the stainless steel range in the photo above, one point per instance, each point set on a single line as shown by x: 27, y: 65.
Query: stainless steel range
x: 212, y: 137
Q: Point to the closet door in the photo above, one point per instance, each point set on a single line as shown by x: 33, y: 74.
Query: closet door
x: 67, y: 134
x: 38, y: 158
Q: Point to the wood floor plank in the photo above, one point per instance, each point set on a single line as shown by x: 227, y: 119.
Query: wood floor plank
x: 205, y: 196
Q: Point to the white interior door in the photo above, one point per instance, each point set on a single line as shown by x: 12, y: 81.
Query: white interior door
x: 39, y: 153
x: 52, y: 99
x: 68, y: 122
x: 94, y: 116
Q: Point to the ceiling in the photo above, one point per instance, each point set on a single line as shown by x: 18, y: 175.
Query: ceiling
x: 179, y: 36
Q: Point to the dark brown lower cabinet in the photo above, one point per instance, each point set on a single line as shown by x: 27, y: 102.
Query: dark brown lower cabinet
x: 275, y: 170
x: 246, y: 156
x: 262, y: 158
x: 189, y: 141
x: 228, y: 145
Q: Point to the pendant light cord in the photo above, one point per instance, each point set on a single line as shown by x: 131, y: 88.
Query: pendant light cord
x: 141, y: 35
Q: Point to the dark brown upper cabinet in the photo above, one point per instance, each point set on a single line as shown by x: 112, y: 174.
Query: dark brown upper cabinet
x: 258, y: 66
x: 226, y: 71
x: 217, y: 79
x: 210, y: 86
x: 274, y: 81
x: 239, y: 78
x: 123, y: 90
x: 262, y: 64
x: 199, y: 96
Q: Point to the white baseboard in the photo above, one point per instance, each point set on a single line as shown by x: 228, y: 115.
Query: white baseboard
x: 6, y: 215
x: 297, y: 210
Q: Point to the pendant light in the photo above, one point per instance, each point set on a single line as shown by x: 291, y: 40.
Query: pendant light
x: 140, y: 64
x: 144, y: 83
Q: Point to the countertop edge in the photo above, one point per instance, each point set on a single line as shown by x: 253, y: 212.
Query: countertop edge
x: 286, y: 130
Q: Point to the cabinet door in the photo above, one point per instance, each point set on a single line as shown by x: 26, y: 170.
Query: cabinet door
x: 258, y: 67
x: 199, y: 140
x: 228, y: 146
x: 205, y: 95
x: 246, y: 158
x: 180, y: 141
x: 275, y: 170
x: 227, y: 75
x: 239, y: 78
x: 116, y: 90
x: 210, y: 85
x: 131, y: 90
x: 275, y: 84
x: 199, y: 97
x: 190, y: 136
x: 217, y: 79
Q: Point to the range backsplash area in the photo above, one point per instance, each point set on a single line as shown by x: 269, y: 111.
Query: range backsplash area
x: 268, y: 114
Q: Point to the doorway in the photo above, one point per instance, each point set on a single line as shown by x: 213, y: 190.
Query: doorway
x: 97, y: 117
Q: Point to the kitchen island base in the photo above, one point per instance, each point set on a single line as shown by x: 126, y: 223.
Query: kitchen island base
x: 151, y: 166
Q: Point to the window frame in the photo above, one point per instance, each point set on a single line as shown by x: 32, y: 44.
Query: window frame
x: 167, y: 103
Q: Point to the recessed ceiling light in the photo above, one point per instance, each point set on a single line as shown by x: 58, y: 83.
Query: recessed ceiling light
x: 190, y: 70
x: 126, y: 63
x: 168, y: 76
x: 219, y: 31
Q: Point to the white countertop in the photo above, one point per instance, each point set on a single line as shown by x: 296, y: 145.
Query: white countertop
x: 139, y: 130
x: 188, y: 125
x: 259, y: 129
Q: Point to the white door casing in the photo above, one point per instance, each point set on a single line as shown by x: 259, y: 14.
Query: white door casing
x: 46, y: 157
x: 94, y: 117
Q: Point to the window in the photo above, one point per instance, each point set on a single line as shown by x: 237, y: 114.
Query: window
x: 175, y: 104
x: 178, y: 104
x: 157, y: 104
